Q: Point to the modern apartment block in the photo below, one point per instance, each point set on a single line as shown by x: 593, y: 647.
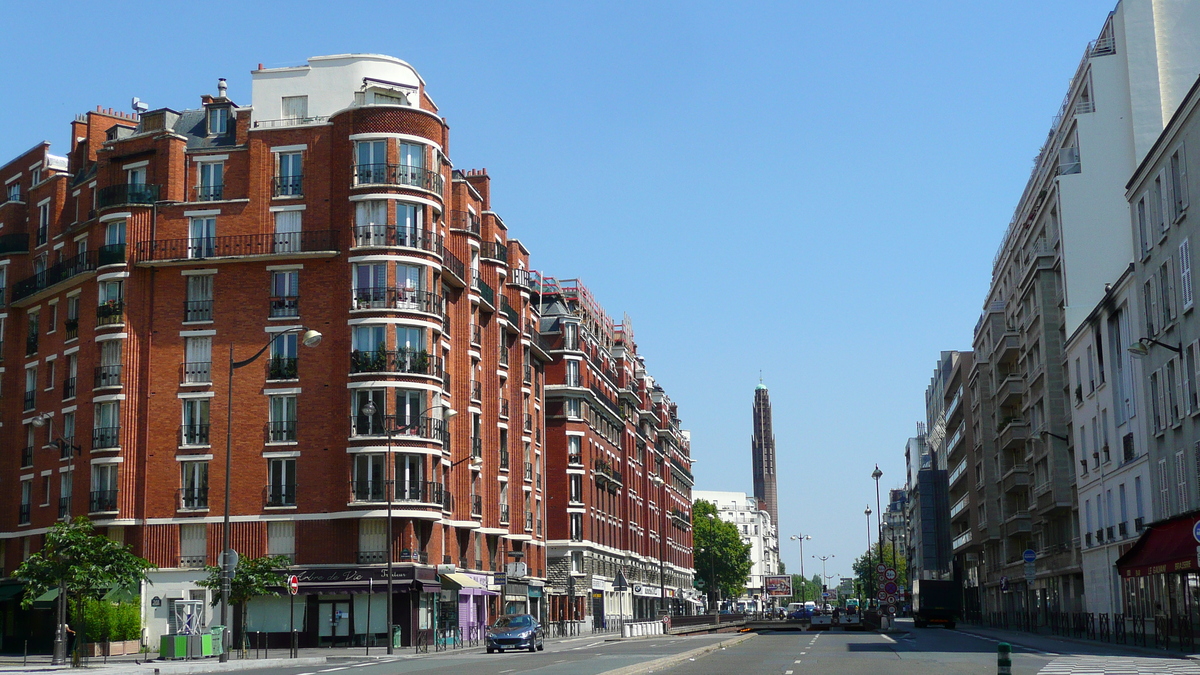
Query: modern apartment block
x: 166, y: 249
x: 965, y: 480
x: 756, y: 529
x: 1067, y: 239
x: 619, y: 540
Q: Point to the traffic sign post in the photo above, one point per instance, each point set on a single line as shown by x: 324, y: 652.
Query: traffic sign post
x: 294, y: 588
x: 1030, y: 555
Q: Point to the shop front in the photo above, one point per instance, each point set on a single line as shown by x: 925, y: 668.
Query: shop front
x: 464, y: 603
x: 1160, y: 578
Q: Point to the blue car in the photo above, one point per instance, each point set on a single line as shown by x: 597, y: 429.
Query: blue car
x: 515, y: 631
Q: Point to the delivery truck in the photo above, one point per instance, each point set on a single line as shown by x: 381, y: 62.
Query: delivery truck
x: 935, y: 602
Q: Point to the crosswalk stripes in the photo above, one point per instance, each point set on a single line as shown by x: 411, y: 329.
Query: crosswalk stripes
x: 1119, y: 665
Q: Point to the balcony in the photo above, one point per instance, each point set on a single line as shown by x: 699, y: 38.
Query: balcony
x: 402, y: 299
x: 575, y: 459
x: 14, y: 243
x: 281, y: 244
x: 283, y: 368
x: 193, y: 434
x: 208, y: 193
x: 288, y: 122
x: 1007, y: 347
x: 476, y: 390
x: 961, y: 540
x: 529, y: 521
x: 110, y: 254
x: 476, y: 335
x: 55, y: 274
x: 528, y: 422
x: 458, y: 271
x: 476, y: 505
x: 30, y: 401
x: 111, y: 313
x: 126, y: 194
x: 24, y: 514
x: 281, y: 431
x: 504, y: 514
x: 72, y: 326
x: 68, y: 388
x: 366, y: 490
x: 403, y: 175
x: 527, y: 377
x: 528, y: 472
x: 424, y: 492
x: 514, y: 319
x: 489, y: 250
x: 281, y: 495
x: 383, y: 235
x: 486, y: 294
x: 1016, y: 478
x: 1013, y: 433
x: 27, y: 457
x: 106, y: 438
x: 403, y: 361
x: 960, y: 505
x: 402, y: 426
x: 102, y: 501
x: 958, y: 472
x: 1017, y: 522
x: 197, y: 372
x: 67, y: 448
x: 284, y: 306
x: 504, y: 408
x: 1010, y: 390
x: 466, y: 221
x: 191, y: 499
x: 107, y: 376
x: 288, y: 186
x: 503, y: 459
x: 197, y: 310
x: 476, y: 447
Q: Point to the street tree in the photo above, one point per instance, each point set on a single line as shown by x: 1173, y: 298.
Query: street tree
x: 865, y: 579
x: 722, y: 560
x: 79, y: 563
x: 252, y: 578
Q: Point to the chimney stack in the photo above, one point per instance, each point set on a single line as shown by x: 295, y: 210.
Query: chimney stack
x: 221, y: 88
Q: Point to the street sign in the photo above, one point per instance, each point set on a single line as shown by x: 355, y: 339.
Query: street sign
x: 882, y: 595
x: 1196, y: 531
x: 233, y: 561
x: 293, y: 584
x: 890, y: 574
x: 1030, y: 572
x: 881, y: 568
x: 891, y: 588
x: 891, y: 609
x: 891, y: 599
x: 499, y: 578
x: 1030, y: 555
x: 825, y: 594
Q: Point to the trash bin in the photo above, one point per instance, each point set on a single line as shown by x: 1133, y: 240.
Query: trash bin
x: 396, y: 641
x: 218, y: 640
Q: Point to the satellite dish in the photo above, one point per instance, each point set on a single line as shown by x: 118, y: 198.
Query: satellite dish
x: 139, y: 106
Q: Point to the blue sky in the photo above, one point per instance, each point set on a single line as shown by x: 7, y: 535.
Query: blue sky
x: 810, y: 189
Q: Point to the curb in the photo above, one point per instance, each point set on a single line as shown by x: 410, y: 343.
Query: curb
x: 674, y: 659
x: 168, y: 668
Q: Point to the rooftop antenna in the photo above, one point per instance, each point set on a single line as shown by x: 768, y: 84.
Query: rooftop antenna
x: 139, y: 106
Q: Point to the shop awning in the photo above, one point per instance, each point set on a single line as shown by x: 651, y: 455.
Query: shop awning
x: 10, y: 591
x: 46, y: 600
x: 459, y: 581
x: 1164, y: 548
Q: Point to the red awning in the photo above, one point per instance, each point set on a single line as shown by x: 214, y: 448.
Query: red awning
x: 1164, y: 548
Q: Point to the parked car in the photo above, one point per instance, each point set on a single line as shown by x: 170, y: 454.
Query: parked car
x: 800, y: 611
x: 515, y: 631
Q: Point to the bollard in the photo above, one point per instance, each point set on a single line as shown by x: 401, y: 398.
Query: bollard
x: 1003, y: 659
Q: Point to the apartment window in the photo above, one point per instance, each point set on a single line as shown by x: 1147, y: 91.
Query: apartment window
x: 1156, y: 401
x: 576, y: 526
x: 106, y: 425
x: 72, y: 321
x: 284, y: 363
x: 1159, y: 206
x: 68, y: 430
x: 1181, y: 486
x: 26, y: 502
x: 369, y: 340
x: 212, y: 181
x: 1137, y: 496
x: 287, y: 231
x: 372, y: 164
x: 108, y: 374
x: 195, y: 422
x: 572, y: 407
x: 1166, y: 290
x: 410, y: 339
x: 572, y: 373
x: 194, y: 485
x: 31, y: 374
x: 369, y: 469
x: 1172, y: 409
x: 295, y: 107
x: 1164, y: 489
x: 69, y: 384
x: 1143, y: 238
x: 1104, y: 433
x: 371, y: 220
x: 1124, y: 506
x: 202, y: 237
x: 43, y: 231
x: 576, y: 488
x: 136, y: 176
x: 289, y: 174
x: 114, y: 233
x: 282, y: 488
x: 193, y: 544
x: 1118, y: 331
x: 282, y: 419
x: 197, y: 360
x: 52, y: 319
x: 199, y: 304
x: 281, y: 539
x: 14, y: 192
x: 1179, y: 196
x: 104, y: 487
x: 66, y: 481
x: 410, y: 403
x: 285, y: 294
x: 410, y: 477
x: 218, y: 121
x: 1150, y: 306
x: 370, y: 286
x: 364, y: 424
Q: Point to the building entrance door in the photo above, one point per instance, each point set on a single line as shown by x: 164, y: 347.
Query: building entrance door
x: 334, y: 618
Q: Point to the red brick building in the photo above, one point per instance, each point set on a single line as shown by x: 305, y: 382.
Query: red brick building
x: 625, y: 503
x: 167, y: 245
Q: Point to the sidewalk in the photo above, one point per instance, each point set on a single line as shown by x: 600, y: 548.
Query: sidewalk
x: 1067, y: 645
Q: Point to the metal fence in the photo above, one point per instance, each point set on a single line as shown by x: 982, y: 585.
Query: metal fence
x: 1163, y: 631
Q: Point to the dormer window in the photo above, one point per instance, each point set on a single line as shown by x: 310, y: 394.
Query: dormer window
x: 218, y: 121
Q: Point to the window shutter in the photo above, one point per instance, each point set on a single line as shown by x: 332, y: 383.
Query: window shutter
x: 1183, y: 185
x: 1185, y: 272
x: 1172, y: 305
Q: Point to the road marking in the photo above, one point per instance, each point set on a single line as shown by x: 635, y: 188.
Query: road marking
x: 796, y: 661
x: 885, y: 637
x: 330, y: 670
x: 507, y: 671
x: 787, y: 672
x: 595, y: 643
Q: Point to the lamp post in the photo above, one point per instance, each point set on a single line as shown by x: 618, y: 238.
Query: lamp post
x: 715, y: 591
x: 870, y: 577
x: 804, y: 588
x: 824, y: 577
x: 309, y: 338
x: 389, y: 493
x: 877, y: 474
x: 59, y: 656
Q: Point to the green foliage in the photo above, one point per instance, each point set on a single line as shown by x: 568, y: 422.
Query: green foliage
x: 111, y: 621
x: 77, y: 557
x: 719, y: 551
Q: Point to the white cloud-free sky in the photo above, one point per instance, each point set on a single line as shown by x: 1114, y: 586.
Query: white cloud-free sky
x: 810, y: 189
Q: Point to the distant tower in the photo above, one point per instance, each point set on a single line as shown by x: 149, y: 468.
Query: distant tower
x: 762, y: 450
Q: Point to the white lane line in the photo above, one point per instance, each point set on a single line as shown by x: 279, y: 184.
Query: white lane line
x: 796, y: 661
x: 885, y: 637
x: 787, y: 672
x: 595, y: 643
x: 330, y: 670
x: 507, y: 671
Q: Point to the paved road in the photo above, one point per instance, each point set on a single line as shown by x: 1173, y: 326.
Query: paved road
x: 932, y: 651
x: 588, y: 655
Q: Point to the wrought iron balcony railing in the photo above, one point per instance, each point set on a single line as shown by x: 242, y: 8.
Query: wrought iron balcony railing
x: 281, y: 431
x: 193, y: 434
x: 101, y: 501
x: 197, y: 310
x: 285, y: 306
x: 402, y: 299
x: 193, y: 498
x: 199, y: 248
x: 104, y: 438
x: 107, y: 376
x: 57, y: 273
x: 281, y: 495
x: 464, y: 220
x: 127, y: 193
x: 397, y: 174
x: 289, y: 186
x: 381, y: 234
x: 405, y: 361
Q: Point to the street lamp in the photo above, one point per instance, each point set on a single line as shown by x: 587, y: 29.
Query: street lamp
x: 870, y: 578
x: 309, y: 338
x: 60, y: 633
x: 824, y: 577
x: 877, y: 474
x: 389, y: 492
x: 804, y: 588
